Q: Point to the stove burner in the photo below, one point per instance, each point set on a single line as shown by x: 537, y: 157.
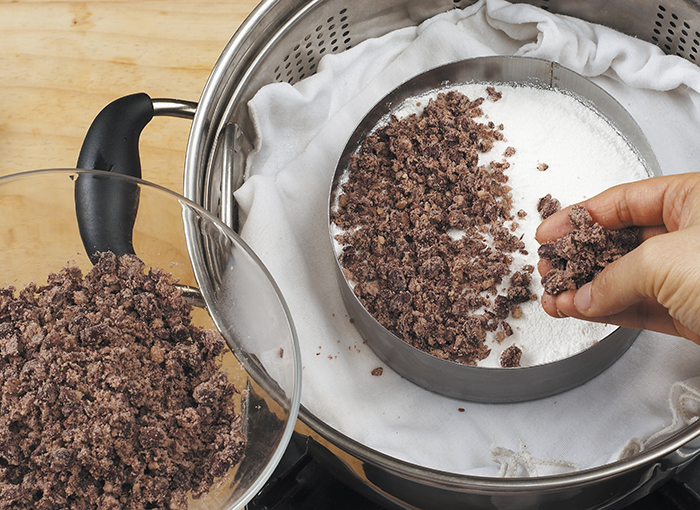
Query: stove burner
x: 301, y: 483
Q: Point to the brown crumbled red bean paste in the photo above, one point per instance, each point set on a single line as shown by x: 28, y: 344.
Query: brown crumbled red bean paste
x: 414, y: 183
x: 547, y: 206
x: 580, y: 255
x: 110, y: 398
x: 510, y: 357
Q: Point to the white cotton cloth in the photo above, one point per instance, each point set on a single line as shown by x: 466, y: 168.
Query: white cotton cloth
x: 300, y: 133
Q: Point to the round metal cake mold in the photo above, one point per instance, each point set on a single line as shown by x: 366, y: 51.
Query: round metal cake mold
x: 467, y: 382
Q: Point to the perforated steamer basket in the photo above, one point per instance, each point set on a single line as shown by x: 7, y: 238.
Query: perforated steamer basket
x: 284, y: 41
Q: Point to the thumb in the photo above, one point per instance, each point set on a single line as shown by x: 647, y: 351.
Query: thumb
x: 615, y: 289
x: 656, y: 271
x: 629, y: 280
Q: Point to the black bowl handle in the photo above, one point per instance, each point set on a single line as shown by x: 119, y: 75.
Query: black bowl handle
x: 106, y: 208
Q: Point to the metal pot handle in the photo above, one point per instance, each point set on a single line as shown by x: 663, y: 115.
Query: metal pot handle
x: 106, y: 208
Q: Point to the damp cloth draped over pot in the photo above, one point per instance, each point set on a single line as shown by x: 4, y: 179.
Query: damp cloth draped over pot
x: 301, y: 131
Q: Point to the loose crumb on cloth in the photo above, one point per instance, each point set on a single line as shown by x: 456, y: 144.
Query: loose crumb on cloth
x: 110, y: 397
x: 580, y: 255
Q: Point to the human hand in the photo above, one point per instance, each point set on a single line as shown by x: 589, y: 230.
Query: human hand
x: 657, y: 285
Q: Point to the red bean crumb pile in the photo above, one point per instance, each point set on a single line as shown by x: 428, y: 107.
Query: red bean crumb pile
x: 580, y: 255
x: 110, y: 397
x: 415, y: 182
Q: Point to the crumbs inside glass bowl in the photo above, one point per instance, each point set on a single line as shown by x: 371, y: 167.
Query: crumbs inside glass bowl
x: 111, y: 397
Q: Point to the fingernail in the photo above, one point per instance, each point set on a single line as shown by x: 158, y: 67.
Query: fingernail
x: 582, y: 299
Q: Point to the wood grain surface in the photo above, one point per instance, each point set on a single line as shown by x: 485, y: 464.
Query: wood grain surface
x: 61, y: 62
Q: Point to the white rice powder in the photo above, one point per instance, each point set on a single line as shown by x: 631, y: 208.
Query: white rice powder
x: 584, y: 155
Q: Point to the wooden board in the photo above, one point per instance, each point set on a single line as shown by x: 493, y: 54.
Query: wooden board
x: 61, y: 62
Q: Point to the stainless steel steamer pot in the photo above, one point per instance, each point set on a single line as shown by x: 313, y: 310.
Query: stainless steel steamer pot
x: 283, y: 40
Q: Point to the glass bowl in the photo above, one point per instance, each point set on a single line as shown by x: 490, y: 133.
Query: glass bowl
x: 40, y: 234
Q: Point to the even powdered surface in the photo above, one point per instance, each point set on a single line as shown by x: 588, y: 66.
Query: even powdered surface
x: 564, y: 148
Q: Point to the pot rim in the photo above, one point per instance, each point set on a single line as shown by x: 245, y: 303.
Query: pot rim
x: 202, y: 134
x: 457, y: 481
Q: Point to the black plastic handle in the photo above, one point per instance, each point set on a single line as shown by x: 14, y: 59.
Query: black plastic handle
x: 106, y: 208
